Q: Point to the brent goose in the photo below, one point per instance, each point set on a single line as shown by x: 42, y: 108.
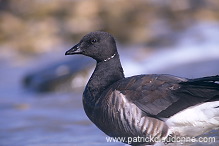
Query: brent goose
x: 151, y: 106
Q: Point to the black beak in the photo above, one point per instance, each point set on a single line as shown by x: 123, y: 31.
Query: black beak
x: 74, y: 50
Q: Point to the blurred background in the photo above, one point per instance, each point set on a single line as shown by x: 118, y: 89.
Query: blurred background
x: 41, y: 89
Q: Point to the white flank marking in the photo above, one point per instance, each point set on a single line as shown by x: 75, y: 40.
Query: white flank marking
x: 195, y: 120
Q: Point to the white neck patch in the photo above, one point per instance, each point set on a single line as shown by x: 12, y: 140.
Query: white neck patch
x: 110, y: 58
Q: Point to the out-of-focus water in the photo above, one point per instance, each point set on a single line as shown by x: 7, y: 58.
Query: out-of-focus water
x: 30, y: 118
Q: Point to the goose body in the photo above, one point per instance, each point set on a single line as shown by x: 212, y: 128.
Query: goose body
x: 155, y: 106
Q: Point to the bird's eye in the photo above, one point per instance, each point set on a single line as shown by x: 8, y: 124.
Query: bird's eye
x: 93, y: 41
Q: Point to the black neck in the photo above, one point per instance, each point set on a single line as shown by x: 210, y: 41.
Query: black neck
x: 105, y: 74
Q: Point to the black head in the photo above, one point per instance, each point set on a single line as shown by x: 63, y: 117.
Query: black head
x: 99, y: 45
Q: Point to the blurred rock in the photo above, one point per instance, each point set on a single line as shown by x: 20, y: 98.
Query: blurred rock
x: 65, y: 75
x: 41, y: 26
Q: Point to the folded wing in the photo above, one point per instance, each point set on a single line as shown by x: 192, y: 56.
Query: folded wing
x: 162, y: 96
